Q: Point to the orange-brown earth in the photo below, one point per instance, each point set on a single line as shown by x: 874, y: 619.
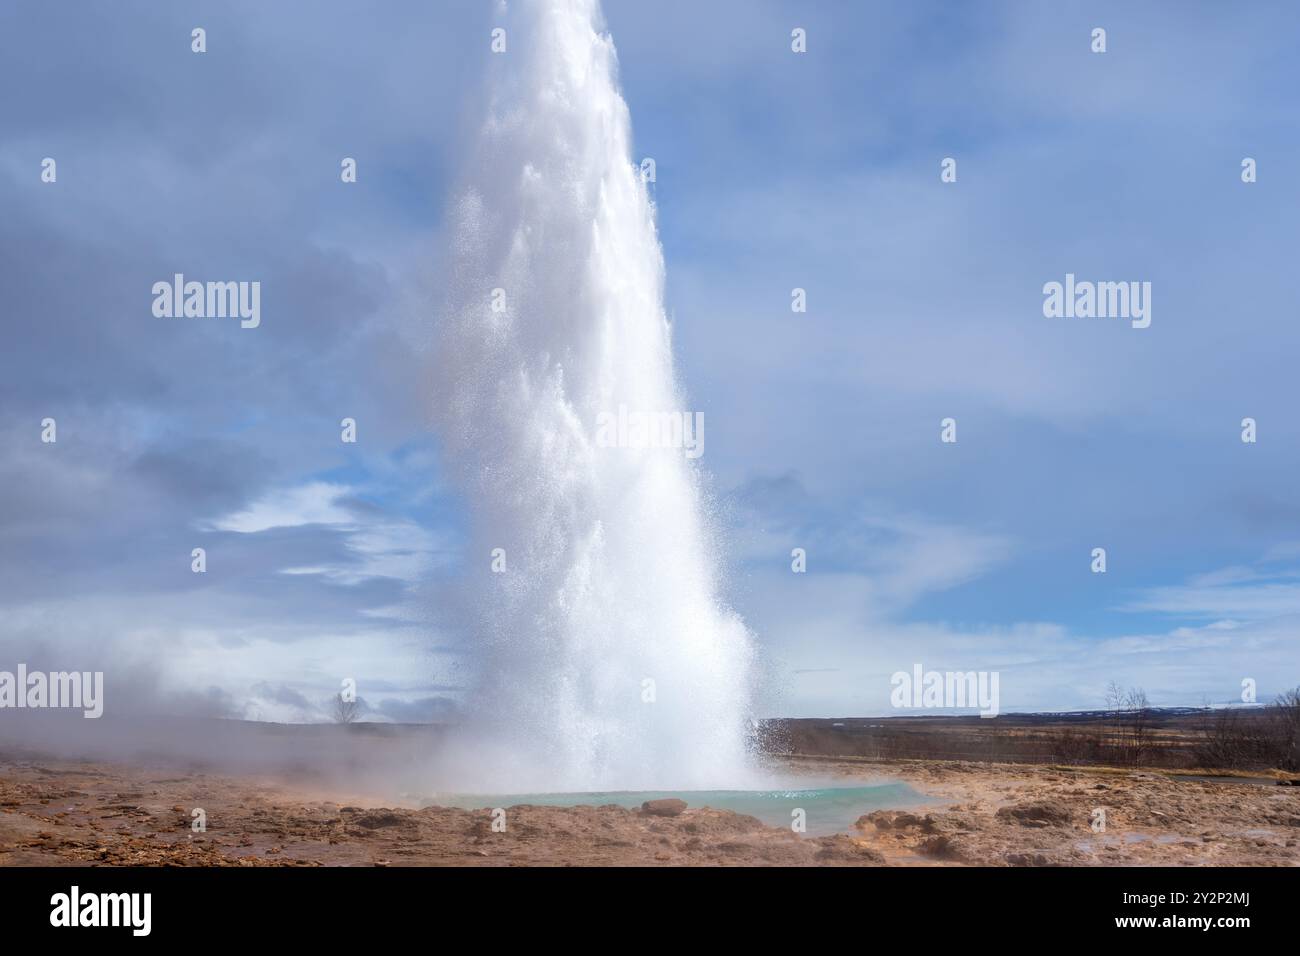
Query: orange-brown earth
x: 60, y: 812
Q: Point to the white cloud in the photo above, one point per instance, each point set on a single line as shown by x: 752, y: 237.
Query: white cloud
x: 379, y: 546
x: 313, y: 503
x: 831, y: 639
x: 1222, y: 597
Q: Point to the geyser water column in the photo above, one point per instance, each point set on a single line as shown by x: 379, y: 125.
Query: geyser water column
x: 604, y: 659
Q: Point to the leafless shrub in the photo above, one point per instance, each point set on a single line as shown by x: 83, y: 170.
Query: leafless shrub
x: 1242, y: 739
x: 1233, y: 740
x: 345, y: 711
x: 1284, y: 729
x: 1076, y: 746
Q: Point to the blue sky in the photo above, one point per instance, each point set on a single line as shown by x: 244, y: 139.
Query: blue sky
x: 774, y: 170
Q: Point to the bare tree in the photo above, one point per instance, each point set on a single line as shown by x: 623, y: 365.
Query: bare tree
x: 1132, y: 736
x: 345, y: 711
x: 1140, y: 731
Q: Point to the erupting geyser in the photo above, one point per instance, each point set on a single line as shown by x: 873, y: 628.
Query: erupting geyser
x: 605, y: 659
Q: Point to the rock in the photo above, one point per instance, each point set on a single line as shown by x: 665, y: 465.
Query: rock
x: 896, y: 820
x: 844, y: 849
x: 663, y: 808
x: 376, y: 819
x: 1036, y: 814
x: 942, y: 848
x: 732, y: 848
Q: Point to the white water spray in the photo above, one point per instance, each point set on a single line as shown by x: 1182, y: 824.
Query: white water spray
x: 605, y: 660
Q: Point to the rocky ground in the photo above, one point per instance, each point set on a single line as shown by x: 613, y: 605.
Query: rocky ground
x: 1024, y: 815
x: 76, y: 813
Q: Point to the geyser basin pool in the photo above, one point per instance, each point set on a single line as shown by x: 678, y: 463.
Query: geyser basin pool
x: 829, y: 809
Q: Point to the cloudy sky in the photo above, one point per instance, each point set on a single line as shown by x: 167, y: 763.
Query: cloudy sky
x: 774, y: 171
